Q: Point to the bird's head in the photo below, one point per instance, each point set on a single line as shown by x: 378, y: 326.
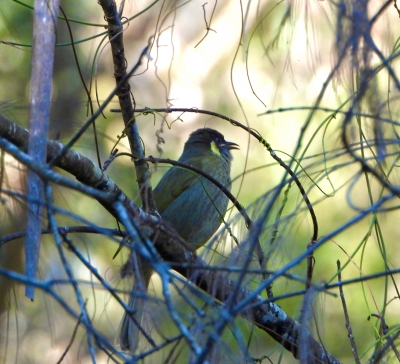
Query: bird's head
x: 210, y: 140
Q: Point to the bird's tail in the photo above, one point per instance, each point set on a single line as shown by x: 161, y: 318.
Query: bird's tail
x: 131, y: 325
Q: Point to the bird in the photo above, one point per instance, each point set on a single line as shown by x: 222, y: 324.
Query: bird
x: 189, y: 203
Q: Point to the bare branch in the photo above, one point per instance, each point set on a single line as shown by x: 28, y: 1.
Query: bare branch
x: 44, y: 39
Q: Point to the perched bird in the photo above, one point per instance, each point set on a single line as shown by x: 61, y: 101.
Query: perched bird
x: 190, y: 204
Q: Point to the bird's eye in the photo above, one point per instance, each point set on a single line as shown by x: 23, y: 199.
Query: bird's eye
x: 218, y: 139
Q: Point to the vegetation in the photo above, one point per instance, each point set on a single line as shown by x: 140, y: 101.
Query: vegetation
x: 305, y: 266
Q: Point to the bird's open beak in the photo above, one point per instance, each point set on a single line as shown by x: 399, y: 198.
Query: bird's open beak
x: 231, y: 145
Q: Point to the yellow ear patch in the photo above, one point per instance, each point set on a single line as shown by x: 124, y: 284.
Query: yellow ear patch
x: 214, y: 148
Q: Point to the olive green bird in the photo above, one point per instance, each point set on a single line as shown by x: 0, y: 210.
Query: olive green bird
x: 190, y: 204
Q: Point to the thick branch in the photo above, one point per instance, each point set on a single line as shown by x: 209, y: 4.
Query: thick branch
x: 43, y: 48
x: 84, y: 170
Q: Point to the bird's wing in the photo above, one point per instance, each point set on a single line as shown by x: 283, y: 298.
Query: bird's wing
x: 174, y: 183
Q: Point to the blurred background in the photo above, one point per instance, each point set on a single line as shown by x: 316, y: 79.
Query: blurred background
x: 267, y: 64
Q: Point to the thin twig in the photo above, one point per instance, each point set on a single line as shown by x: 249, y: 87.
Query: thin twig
x: 208, y: 24
x: 347, y: 318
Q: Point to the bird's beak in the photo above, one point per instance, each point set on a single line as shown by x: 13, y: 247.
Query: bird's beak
x: 231, y: 145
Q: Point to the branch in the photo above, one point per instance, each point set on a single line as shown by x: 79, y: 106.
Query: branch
x: 115, y: 34
x: 94, y: 182
x: 43, y: 48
